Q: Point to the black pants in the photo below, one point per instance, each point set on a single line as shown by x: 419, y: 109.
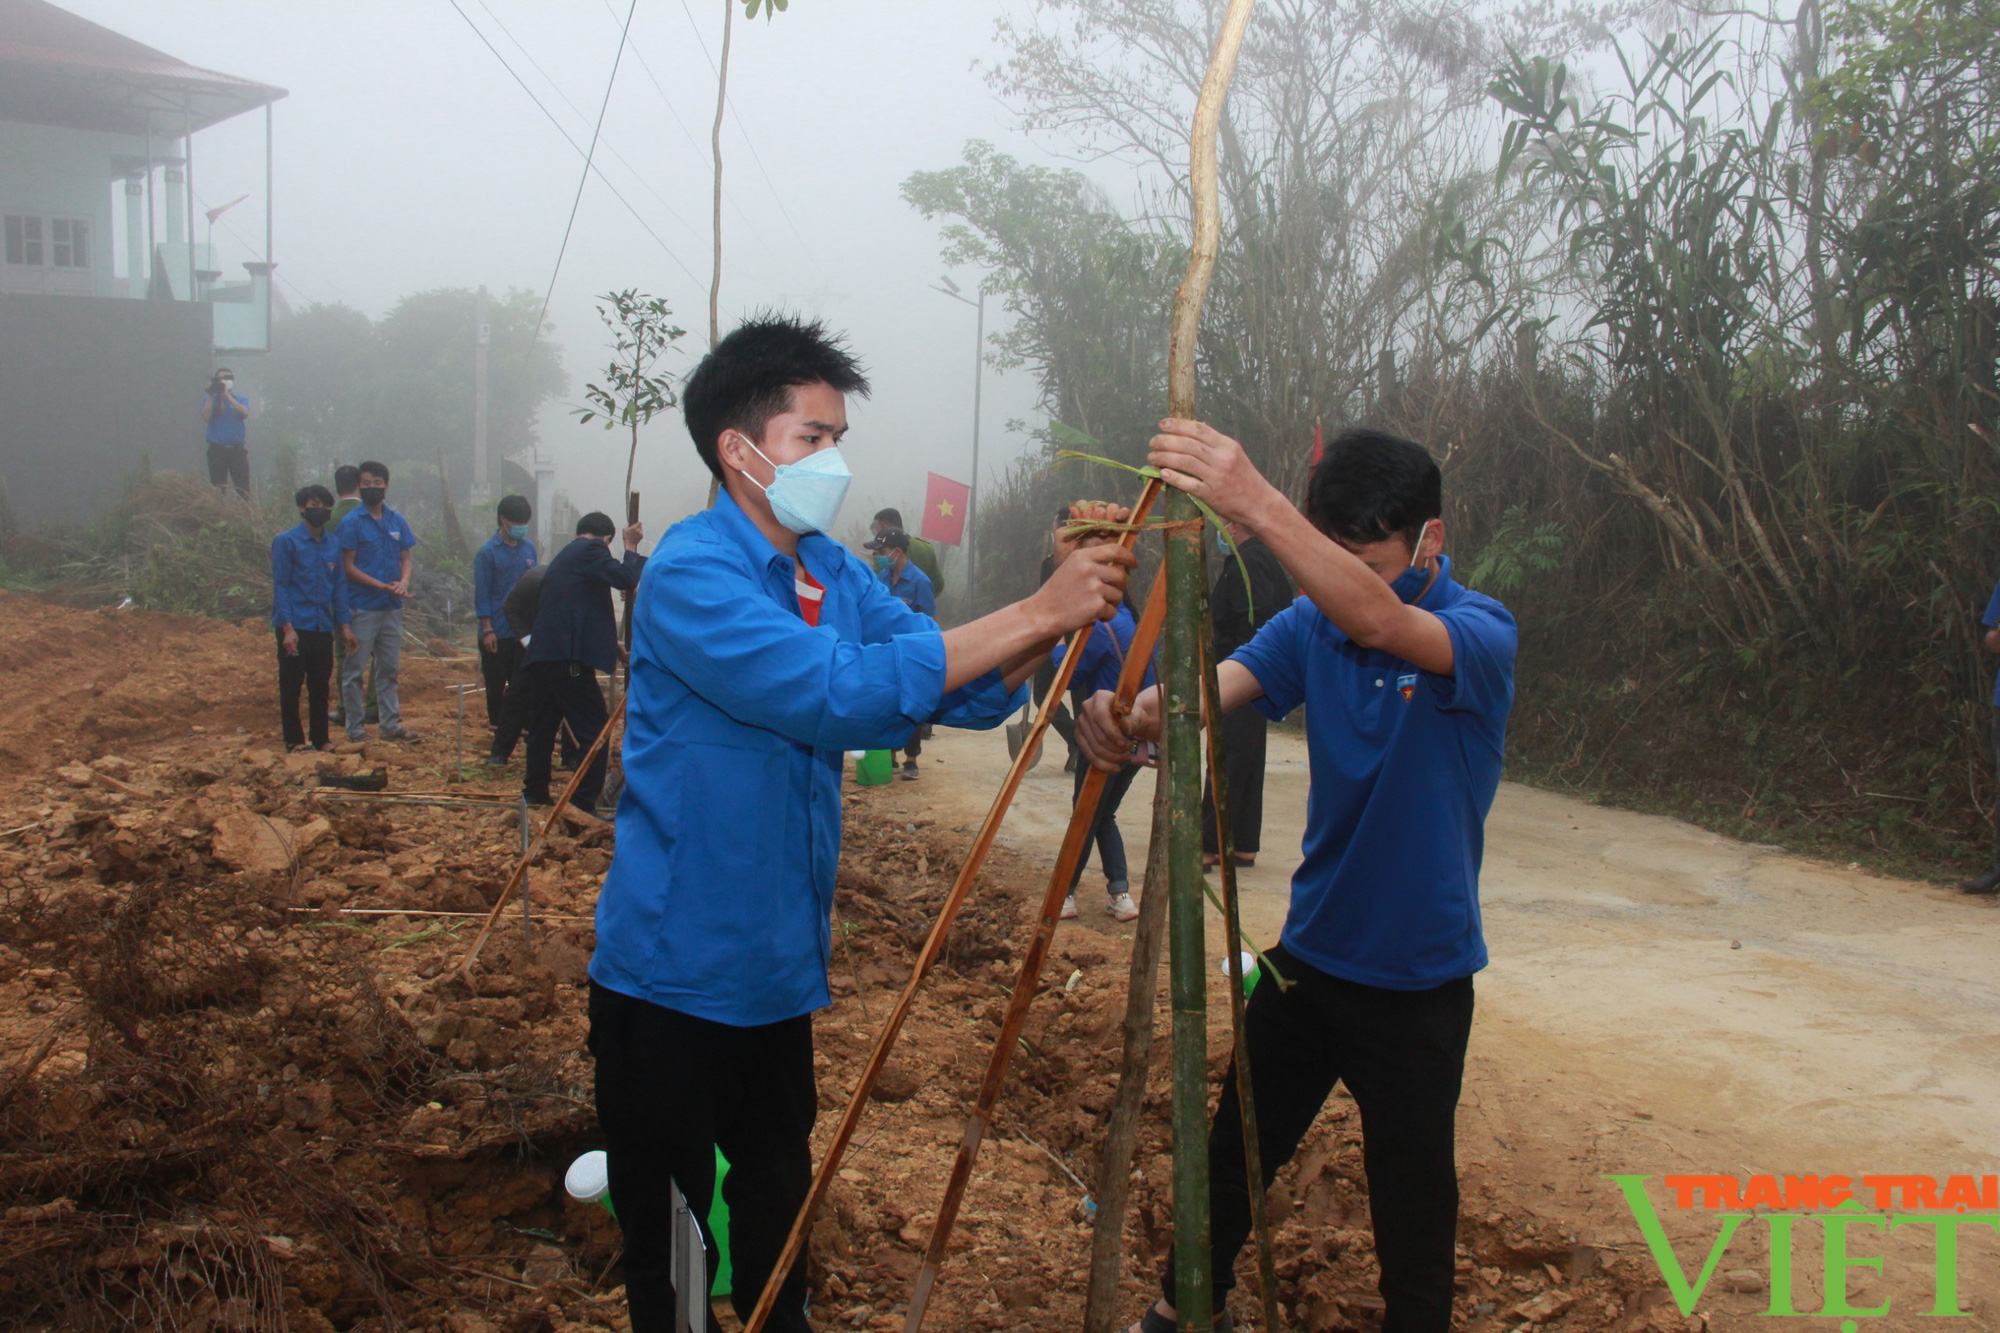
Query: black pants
x: 564, y: 692
x: 1996, y: 806
x: 1104, y: 831
x: 229, y: 465
x: 671, y: 1089
x: 498, y: 668
x: 1402, y: 1056
x: 1062, y: 722
x: 312, y: 667
x: 1243, y: 739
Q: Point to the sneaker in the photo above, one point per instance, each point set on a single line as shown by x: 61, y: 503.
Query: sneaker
x: 1982, y: 885
x: 1122, y: 908
x: 909, y: 770
x: 403, y: 734
x: 495, y: 761
x: 1068, y: 909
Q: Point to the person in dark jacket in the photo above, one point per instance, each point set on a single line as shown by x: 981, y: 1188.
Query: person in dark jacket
x: 1239, y: 614
x: 575, y: 637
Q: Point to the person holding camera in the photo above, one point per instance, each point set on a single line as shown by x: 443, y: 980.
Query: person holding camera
x: 225, y: 411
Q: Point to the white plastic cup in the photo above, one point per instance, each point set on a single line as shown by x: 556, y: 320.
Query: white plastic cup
x: 588, y: 1179
x: 1248, y: 959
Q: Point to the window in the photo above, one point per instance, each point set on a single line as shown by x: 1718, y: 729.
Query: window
x: 39, y: 242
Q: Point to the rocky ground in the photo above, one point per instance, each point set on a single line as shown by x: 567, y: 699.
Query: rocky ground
x: 244, y: 1086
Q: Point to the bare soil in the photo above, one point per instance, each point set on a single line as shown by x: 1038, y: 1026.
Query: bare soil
x: 241, y: 1088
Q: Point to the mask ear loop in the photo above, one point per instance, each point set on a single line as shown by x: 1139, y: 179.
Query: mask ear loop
x: 760, y: 453
x: 1416, y: 552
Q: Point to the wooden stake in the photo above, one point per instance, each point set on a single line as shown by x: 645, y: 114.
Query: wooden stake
x: 961, y: 889
x: 1075, y: 845
x: 1181, y: 713
x: 527, y: 856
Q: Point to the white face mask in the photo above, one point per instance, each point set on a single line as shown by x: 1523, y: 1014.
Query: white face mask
x: 805, y: 496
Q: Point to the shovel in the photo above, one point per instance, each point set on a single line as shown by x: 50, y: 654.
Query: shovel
x: 1017, y: 732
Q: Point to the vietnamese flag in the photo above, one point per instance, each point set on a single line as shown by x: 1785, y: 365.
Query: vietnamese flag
x: 947, y: 505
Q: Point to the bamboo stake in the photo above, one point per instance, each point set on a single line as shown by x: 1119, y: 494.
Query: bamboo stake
x: 1076, y: 842
x: 1121, y: 1134
x: 961, y: 889
x: 1253, y: 1152
x: 528, y: 854
x: 1181, y: 694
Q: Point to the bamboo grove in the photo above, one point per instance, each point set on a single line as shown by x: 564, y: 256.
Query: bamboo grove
x: 1697, y: 308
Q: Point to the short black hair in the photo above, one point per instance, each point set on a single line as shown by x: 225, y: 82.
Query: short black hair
x: 304, y: 494
x: 595, y: 524
x: 225, y: 370
x: 748, y: 378
x: 1371, y: 486
x: 347, y: 479
x: 379, y: 469
x: 892, y: 517
x: 514, y: 507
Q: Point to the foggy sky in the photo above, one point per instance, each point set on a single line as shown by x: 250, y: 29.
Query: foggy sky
x: 407, y: 158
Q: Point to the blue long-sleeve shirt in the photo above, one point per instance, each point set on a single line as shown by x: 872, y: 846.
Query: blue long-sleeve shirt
x: 308, y: 586
x: 718, y: 900
x: 913, y: 589
x: 1103, y: 655
x: 496, y: 568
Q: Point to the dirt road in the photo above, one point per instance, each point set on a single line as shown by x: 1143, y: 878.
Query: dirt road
x: 1663, y: 1000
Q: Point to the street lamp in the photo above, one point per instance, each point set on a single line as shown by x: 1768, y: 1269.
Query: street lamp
x: 951, y: 289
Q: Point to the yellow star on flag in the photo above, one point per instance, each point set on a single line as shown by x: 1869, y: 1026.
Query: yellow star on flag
x: 944, y: 509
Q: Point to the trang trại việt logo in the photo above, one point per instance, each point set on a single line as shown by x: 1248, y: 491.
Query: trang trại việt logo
x: 1836, y: 1204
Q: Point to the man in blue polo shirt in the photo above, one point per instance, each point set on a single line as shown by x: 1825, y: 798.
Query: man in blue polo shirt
x: 496, y: 568
x: 375, y: 545
x: 308, y: 606
x: 912, y: 587
x: 1097, y: 669
x: 224, y: 411
x: 1407, y: 678
x: 1987, y: 882
x: 762, y: 650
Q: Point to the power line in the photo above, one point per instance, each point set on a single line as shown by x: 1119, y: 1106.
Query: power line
x: 616, y: 193
x: 609, y: 147
x: 584, y: 179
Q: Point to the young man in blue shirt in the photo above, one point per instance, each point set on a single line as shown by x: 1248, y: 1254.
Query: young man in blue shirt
x: 1407, y: 678
x: 308, y: 605
x: 225, y: 410
x: 496, y: 568
x: 375, y: 545
x: 909, y: 585
x: 1097, y: 669
x: 762, y: 650
x: 1987, y: 882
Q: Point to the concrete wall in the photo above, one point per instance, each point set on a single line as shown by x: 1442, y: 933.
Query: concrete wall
x: 64, y: 173
x: 88, y: 388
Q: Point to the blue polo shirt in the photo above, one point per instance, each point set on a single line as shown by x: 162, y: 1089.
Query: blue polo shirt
x: 1404, y: 767
x: 912, y: 588
x: 308, y: 586
x: 378, y: 545
x: 718, y: 899
x: 225, y: 427
x: 496, y: 568
x: 1992, y: 619
x: 1103, y: 656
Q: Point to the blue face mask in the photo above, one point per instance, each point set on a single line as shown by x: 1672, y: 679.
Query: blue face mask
x: 518, y: 531
x: 1409, y: 584
x: 881, y: 564
x: 806, y: 496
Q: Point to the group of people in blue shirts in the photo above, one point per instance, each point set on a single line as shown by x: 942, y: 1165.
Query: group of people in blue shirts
x: 763, y: 650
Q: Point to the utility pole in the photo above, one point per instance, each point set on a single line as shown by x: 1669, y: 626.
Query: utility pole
x: 951, y: 289
x: 482, y: 482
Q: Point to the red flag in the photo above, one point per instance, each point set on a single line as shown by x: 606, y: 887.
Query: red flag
x: 1319, y: 444
x: 215, y: 213
x: 946, y: 506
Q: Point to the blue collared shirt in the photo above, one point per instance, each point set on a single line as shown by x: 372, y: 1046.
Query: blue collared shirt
x: 1102, y: 660
x: 719, y: 898
x: 1991, y: 620
x: 308, y: 586
x: 378, y: 545
x: 496, y: 568
x: 1404, y: 767
x: 912, y: 588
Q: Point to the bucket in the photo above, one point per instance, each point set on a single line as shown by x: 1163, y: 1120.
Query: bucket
x: 588, y: 1180
x: 872, y: 768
